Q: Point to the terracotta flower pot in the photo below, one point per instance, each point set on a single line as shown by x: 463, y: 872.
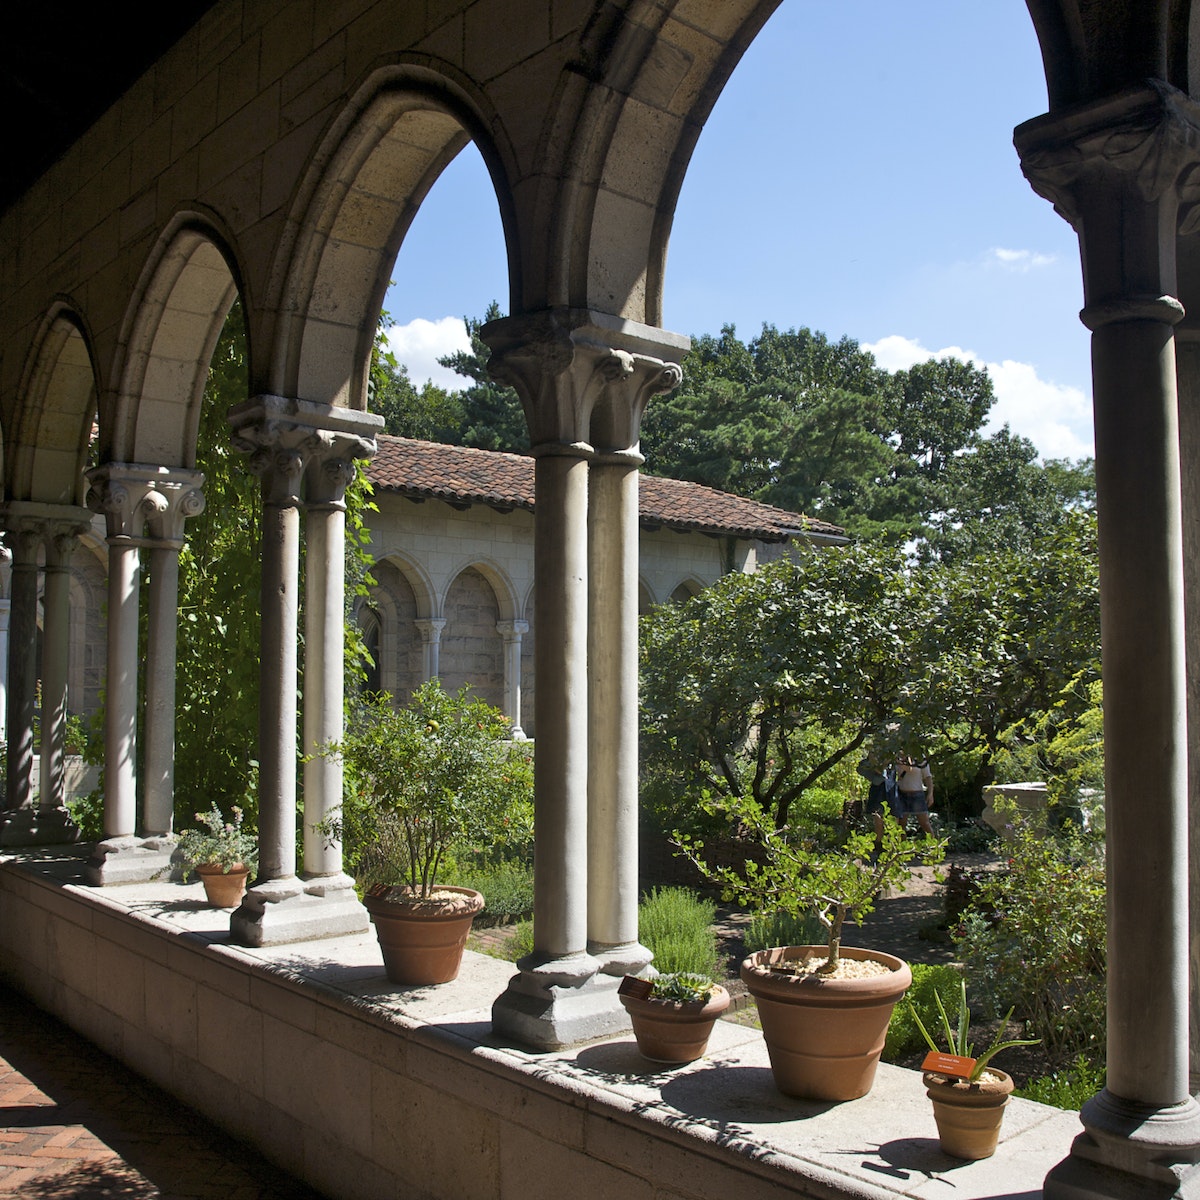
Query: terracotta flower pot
x: 968, y: 1115
x: 224, y: 888
x: 422, y: 940
x: 674, y: 1031
x: 824, y: 1035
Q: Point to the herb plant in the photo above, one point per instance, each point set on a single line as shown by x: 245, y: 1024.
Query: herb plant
x: 956, y: 1037
x: 223, y: 843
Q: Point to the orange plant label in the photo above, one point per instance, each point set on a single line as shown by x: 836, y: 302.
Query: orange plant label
x: 948, y: 1064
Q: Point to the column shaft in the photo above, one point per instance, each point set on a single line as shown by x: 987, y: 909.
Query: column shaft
x: 159, y: 789
x: 22, y: 667
x: 121, y: 690
x: 56, y: 632
x: 512, y: 632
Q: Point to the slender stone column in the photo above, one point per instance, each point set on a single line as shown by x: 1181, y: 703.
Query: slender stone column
x: 283, y: 437
x: 562, y: 362
x: 430, y: 629
x: 5, y: 616
x: 1114, y: 170
x: 613, y: 661
x: 175, y: 498
x: 56, y: 644
x: 24, y: 542
x: 512, y: 632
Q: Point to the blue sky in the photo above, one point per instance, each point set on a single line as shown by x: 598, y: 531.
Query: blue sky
x: 857, y: 176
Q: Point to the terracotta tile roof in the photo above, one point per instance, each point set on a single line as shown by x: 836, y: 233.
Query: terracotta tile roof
x: 462, y: 476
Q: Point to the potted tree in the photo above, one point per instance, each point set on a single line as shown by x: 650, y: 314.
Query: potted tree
x: 673, y: 1015
x: 222, y: 853
x: 969, y: 1095
x: 422, y: 780
x: 824, y: 1009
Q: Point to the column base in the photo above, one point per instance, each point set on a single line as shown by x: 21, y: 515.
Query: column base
x: 36, y: 826
x: 622, y: 958
x: 1131, y: 1152
x: 298, y: 909
x: 556, y: 1004
x: 130, y: 860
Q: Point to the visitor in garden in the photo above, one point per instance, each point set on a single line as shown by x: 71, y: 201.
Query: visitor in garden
x: 881, y: 793
x: 914, y: 786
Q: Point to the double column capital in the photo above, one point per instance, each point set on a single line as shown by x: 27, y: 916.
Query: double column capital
x: 295, y: 444
x: 584, y: 377
x: 145, y: 503
x: 29, y: 525
x: 1125, y: 172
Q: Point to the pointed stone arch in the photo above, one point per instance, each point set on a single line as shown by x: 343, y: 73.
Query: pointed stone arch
x: 47, y: 452
x: 179, y: 307
x: 376, y: 165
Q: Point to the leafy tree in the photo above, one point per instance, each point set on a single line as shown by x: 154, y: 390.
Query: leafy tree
x: 430, y: 414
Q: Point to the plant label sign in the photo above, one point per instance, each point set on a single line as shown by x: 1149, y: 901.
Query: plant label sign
x: 631, y: 985
x: 948, y: 1064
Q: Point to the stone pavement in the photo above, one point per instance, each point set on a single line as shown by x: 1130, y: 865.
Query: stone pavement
x: 76, y: 1125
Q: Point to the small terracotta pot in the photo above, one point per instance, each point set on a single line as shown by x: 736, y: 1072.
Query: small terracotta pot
x: 422, y: 940
x: 674, y: 1031
x: 968, y: 1115
x: 824, y: 1036
x: 223, y: 888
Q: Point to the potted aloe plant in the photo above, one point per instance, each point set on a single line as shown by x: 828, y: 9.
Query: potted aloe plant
x: 221, y: 852
x: 422, y: 780
x: 673, y: 1014
x: 824, y: 1009
x: 969, y: 1095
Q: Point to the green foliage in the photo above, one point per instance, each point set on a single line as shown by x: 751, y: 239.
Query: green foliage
x: 798, y: 877
x: 686, y: 987
x: 1067, y: 1088
x: 507, y: 888
x: 216, y: 840
x: 88, y: 814
x: 1035, y: 937
x: 929, y: 981
x: 676, y: 925
x: 421, y: 780
x: 956, y: 1037
x: 783, y: 929
x: 430, y: 414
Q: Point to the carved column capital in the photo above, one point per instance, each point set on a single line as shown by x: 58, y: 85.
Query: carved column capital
x: 290, y: 442
x: 584, y: 377
x: 33, y: 525
x: 430, y: 629
x: 145, y: 502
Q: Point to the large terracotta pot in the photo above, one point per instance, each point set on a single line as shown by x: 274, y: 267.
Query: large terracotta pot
x: 422, y: 940
x: 674, y: 1031
x: 968, y: 1115
x: 223, y: 888
x: 824, y: 1035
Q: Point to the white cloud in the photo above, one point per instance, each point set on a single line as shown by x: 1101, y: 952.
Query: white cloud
x: 419, y: 345
x: 1056, y: 418
x: 1020, y: 261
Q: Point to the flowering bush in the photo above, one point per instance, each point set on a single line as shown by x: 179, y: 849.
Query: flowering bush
x: 223, y: 843
x: 435, y: 775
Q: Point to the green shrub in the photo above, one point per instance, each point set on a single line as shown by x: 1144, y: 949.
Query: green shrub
x: 518, y: 943
x: 676, y: 924
x: 783, y: 929
x: 1034, y: 938
x: 507, y: 888
x: 903, y: 1033
x: 1068, y: 1088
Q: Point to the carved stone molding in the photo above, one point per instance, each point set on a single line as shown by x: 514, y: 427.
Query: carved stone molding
x: 146, y: 503
x: 29, y: 526
x: 295, y: 442
x: 584, y: 378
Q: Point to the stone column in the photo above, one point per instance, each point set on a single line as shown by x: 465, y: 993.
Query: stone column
x: 1114, y: 170
x: 176, y: 497
x: 512, y: 632
x: 613, y: 661
x: 283, y: 437
x: 54, y: 528
x: 561, y: 363
x: 5, y: 616
x: 328, y: 476
x: 430, y: 629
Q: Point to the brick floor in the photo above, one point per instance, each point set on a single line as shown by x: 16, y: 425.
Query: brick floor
x: 76, y: 1125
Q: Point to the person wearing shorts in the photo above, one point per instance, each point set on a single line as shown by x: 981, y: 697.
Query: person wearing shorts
x: 881, y: 795
x: 914, y: 791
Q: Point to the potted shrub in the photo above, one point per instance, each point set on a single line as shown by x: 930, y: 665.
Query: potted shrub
x: 968, y: 1095
x: 422, y: 780
x: 222, y: 853
x: 824, y: 1008
x: 673, y: 1015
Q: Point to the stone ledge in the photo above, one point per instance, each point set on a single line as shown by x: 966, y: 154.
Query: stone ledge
x: 715, y: 1128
